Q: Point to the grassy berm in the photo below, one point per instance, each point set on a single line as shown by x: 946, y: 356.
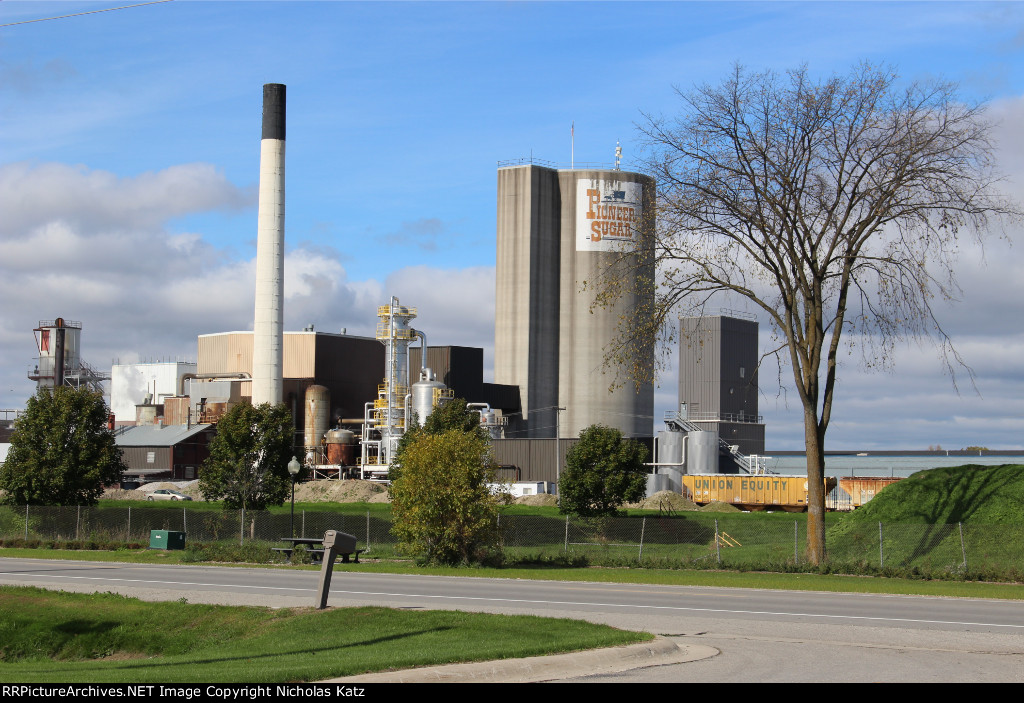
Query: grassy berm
x: 966, y: 520
x: 86, y: 638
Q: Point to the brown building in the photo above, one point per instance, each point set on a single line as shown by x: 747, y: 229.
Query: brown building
x: 349, y: 367
x: 172, y: 452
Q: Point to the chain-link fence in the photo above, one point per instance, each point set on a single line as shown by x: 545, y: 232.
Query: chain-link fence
x: 728, y: 540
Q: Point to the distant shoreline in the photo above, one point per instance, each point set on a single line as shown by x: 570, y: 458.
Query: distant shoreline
x: 905, y: 452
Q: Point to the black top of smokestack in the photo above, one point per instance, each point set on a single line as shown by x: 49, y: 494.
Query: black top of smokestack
x: 273, y: 111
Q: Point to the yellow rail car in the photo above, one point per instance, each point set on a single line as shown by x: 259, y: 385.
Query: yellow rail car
x: 773, y: 492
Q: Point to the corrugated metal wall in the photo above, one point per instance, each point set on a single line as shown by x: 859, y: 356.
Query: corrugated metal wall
x: 535, y: 458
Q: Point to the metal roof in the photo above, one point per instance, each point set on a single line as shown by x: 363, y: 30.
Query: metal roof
x: 157, y: 435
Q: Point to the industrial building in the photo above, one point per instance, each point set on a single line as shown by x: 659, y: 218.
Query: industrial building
x: 159, y: 451
x: 557, y: 229
x: 718, y: 361
x: 350, y: 367
x: 146, y: 384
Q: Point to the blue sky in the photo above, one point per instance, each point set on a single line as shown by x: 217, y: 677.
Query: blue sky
x: 129, y: 151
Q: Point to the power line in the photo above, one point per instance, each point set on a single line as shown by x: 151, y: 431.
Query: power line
x: 90, y: 12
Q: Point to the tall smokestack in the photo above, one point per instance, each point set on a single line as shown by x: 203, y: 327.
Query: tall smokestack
x: 268, y: 325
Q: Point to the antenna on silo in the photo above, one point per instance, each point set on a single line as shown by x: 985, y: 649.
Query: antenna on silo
x: 618, y: 154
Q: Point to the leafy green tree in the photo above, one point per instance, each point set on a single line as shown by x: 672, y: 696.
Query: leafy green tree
x: 61, y: 451
x: 442, y: 507
x: 602, y: 471
x: 248, y: 463
x: 450, y: 415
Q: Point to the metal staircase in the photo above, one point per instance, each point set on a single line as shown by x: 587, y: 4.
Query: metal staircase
x: 751, y: 464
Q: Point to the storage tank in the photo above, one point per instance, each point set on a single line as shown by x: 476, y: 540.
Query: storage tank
x: 656, y: 483
x: 318, y: 416
x: 674, y: 476
x: 341, y: 447
x: 425, y: 395
x: 558, y: 229
x: 702, y: 452
x: 670, y: 448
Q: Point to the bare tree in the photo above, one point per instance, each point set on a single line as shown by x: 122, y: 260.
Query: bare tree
x: 835, y: 206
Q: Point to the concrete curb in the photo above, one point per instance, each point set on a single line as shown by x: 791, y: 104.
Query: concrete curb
x: 657, y: 652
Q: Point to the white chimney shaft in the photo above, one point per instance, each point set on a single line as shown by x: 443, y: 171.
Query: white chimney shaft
x: 268, y: 325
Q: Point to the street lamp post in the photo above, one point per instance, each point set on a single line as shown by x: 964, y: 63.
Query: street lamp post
x: 293, y: 468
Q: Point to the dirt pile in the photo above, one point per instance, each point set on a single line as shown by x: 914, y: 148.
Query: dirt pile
x: 717, y: 506
x: 190, y: 488
x: 334, y: 491
x: 539, y: 499
x: 666, y: 502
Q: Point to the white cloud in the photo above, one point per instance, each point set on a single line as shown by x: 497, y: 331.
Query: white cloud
x: 92, y: 247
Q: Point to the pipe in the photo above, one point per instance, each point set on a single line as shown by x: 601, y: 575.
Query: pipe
x: 220, y: 374
x: 426, y: 374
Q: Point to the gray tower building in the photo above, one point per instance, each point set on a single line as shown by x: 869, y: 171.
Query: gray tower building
x: 718, y: 379
x: 557, y: 229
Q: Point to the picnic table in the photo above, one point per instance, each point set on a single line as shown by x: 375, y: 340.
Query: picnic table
x: 315, y: 549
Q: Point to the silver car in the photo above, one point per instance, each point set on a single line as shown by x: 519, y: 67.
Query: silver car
x: 167, y: 494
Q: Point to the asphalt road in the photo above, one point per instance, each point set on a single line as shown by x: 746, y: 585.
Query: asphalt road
x: 762, y: 635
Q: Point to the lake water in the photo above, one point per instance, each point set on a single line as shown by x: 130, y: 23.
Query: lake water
x: 880, y: 464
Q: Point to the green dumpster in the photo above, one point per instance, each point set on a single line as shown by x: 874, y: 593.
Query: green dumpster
x: 166, y: 539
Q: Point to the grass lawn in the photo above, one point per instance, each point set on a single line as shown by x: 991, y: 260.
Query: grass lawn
x: 673, y: 577
x: 57, y: 637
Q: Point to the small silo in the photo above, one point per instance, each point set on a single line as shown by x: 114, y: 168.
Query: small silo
x: 702, y: 452
x: 318, y: 417
x: 341, y: 447
x: 426, y: 394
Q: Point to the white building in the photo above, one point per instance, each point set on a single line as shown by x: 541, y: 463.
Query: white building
x: 130, y: 383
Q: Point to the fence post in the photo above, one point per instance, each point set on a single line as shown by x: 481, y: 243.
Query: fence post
x: 241, y: 527
x: 367, y: 530
x: 304, y: 523
x: 643, y: 526
x: 881, y: 555
x: 718, y: 544
x: 796, y: 542
x: 963, y: 548
x: 566, y: 534
x: 78, y: 520
x: 184, y: 520
x: 26, y: 522
x: 129, y: 537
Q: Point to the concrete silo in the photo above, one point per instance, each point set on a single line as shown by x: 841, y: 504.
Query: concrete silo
x: 557, y: 229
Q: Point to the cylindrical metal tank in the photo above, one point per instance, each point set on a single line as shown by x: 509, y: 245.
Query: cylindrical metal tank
x: 657, y: 482
x: 674, y: 476
x: 670, y: 447
x: 341, y: 447
x: 318, y: 416
x: 489, y: 419
x: 702, y: 452
x: 423, y: 398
